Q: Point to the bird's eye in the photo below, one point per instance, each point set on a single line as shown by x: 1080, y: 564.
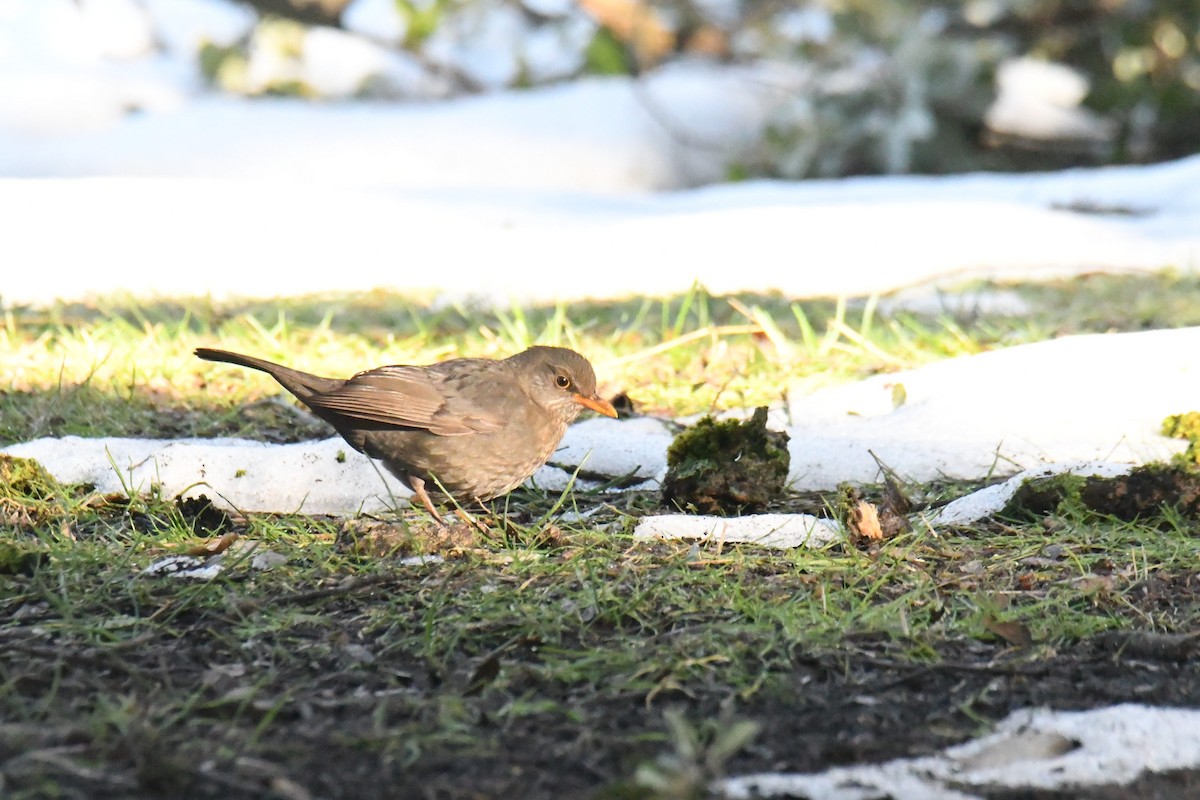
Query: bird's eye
x: 563, y: 382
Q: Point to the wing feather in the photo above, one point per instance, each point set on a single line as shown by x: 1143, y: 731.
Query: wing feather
x: 406, y: 397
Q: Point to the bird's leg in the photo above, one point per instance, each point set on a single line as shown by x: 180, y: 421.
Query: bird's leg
x: 418, y: 487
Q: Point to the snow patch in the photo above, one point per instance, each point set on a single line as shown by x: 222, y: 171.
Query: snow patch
x: 991, y: 500
x: 1083, y: 398
x: 1030, y: 748
x: 783, y: 531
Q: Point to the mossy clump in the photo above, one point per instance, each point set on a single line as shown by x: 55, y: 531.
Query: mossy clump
x: 23, y: 480
x: 29, y: 495
x: 205, y: 519
x: 1039, y: 497
x: 1185, y: 426
x: 1146, y: 492
x: 726, y: 467
x: 20, y: 559
x: 1143, y: 494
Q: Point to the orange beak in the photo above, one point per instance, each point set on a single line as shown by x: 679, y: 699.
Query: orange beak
x: 596, y: 404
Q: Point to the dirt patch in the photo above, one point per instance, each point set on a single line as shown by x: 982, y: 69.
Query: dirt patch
x: 1175, y: 785
x: 316, y: 710
x: 541, y: 660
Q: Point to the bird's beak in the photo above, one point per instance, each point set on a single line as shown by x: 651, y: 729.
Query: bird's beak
x: 596, y: 404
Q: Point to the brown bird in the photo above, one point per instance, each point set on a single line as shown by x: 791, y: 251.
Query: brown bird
x: 476, y: 427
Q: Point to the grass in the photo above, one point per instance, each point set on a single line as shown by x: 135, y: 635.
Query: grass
x: 122, y: 368
x: 543, y: 661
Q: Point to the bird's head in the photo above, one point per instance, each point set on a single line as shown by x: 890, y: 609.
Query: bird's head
x: 562, y: 380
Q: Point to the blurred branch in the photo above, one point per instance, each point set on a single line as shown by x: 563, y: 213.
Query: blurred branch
x: 313, y: 12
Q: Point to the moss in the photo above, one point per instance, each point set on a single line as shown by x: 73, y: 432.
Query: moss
x: 1185, y: 426
x: 726, y: 467
x: 845, y: 501
x: 19, y: 559
x: 1041, y: 496
x: 29, y: 495
x: 1145, y: 493
x: 23, y: 480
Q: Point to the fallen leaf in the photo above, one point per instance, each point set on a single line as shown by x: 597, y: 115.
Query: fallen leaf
x: 213, y: 546
x: 484, y: 674
x: 1021, y: 747
x: 863, y: 524
x: 1015, y: 633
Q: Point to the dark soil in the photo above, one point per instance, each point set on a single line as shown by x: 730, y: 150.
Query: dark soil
x: 1141, y: 494
x: 319, y: 720
x: 367, y: 678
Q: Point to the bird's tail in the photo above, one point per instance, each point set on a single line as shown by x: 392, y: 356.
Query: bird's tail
x: 301, y: 384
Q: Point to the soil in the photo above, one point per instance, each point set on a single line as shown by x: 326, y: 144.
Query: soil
x: 336, y: 726
x: 212, y: 702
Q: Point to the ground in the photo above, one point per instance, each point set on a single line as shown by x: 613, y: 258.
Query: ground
x: 523, y: 667
x: 555, y: 656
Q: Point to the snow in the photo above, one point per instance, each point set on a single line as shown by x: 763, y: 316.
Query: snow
x: 595, y: 135
x: 578, y: 190
x: 183, y: 567
x: 1031, y: 748
x: 991, y: 500
x: 808, y: 25
x: 561, y: 170
x: 632, y: 447
x: 557, y: 50
x: 184, y: 26
x: 1043, y: 100
x: 782, y: 531
x: 491, y: 192
x: 340, y: 65
x: 78, y: 68
x: 480, y: 40
x: 1095, y: 398
x: 503, y: 244
x: 61, y: 31
x: 313, y: 477
x: 325, y: 477
x: 1100, y: 397
x: 550, y: 8
x: 121, y: 171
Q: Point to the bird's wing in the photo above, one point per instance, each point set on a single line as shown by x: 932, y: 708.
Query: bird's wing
x: 409, y: 397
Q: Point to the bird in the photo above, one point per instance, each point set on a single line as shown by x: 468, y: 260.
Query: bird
x: 470, y: 428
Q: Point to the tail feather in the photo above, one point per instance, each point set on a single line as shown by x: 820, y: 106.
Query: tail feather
x: 301, y: 384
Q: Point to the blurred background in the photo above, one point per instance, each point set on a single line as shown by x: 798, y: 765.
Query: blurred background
x: 603, y: 95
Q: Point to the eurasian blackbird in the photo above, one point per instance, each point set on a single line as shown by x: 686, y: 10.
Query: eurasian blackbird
x: 475, y: 427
